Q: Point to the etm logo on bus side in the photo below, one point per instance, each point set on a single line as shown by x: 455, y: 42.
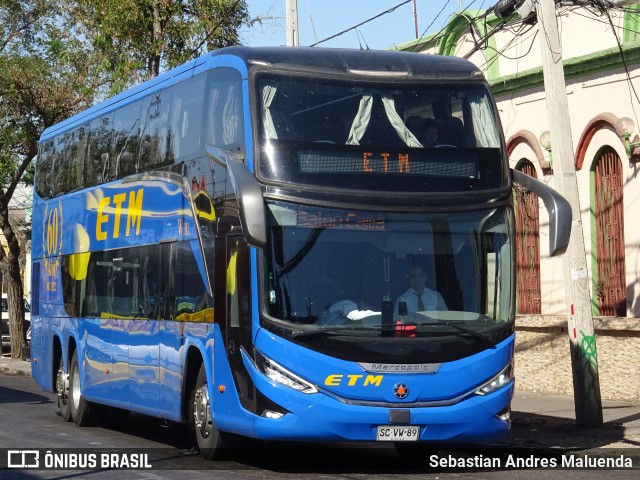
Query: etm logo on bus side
x: 52, y: 230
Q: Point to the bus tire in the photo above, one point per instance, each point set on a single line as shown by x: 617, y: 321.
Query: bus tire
x: 62, y: 389
x: 208, y: 438
x: 83, y: 412
x: 113, y: 417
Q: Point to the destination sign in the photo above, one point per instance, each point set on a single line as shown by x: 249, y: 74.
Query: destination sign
x: 385, y: 163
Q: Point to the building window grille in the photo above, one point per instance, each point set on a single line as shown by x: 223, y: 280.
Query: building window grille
x: 528, y: 293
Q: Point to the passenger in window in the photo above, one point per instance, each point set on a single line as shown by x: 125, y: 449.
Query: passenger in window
x: 430, y: 133
x: 419, y: 297
x: 415, y: 124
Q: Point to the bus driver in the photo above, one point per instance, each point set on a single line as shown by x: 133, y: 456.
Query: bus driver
x: 418, y: 297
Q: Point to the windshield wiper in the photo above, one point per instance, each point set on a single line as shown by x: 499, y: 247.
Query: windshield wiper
x: 457, y: 325
x: 329, y: 330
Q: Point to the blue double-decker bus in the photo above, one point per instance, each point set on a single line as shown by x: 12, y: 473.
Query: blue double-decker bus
x: 268, y: 243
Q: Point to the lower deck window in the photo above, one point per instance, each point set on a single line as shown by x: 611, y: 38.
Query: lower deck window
x: 148, y: 282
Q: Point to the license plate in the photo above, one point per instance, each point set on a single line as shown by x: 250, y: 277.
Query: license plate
x: 398, y: 434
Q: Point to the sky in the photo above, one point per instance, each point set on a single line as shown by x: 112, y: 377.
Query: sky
x: 320, y: 19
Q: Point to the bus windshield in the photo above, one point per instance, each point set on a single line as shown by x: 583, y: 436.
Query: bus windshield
x: 432, y: 137
x: 329, y: 267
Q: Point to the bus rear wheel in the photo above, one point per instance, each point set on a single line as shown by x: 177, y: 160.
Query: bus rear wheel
x: 83, y: 412
x: 209, y: 439
x: 62, y: 389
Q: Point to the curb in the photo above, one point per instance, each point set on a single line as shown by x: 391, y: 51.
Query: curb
x: 7, y: 367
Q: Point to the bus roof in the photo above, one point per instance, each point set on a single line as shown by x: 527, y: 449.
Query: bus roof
x: 353, y: 60
x: 367, y: 63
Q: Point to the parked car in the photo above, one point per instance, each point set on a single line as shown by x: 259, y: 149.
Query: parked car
x: 6, y: 338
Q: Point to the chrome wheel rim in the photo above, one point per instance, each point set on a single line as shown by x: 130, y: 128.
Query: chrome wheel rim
x: 75, y: 393
x: 62, y: 385
x: 201, y: 411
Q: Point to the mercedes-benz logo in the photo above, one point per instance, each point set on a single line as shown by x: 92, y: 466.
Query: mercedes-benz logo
x: 400, y: 390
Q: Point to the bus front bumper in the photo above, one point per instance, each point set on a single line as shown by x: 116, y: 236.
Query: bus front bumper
x: 477, y: 419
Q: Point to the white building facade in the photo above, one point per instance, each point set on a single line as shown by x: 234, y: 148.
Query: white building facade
x: 601, y: 56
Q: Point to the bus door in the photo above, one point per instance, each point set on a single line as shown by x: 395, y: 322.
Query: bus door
x: 170, y: 340
x: 144, y: 328
x: 237, y: 322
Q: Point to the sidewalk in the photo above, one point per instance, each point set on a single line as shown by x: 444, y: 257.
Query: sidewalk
x: 14, y: 367
x: 548, y: 422
x: 539, y: 421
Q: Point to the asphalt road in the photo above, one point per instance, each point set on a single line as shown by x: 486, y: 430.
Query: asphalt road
x: 29, y: 420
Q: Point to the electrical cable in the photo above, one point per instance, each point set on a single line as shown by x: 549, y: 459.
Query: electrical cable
x: 546, y: 36
x: 626, y: 67
x: 574, y: 10
x: 509, y: 44
x: 438, y: 35
x: 434, y: 21
x: 392, y: 9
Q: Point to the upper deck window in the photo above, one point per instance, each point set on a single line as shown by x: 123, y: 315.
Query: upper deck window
x: 154, y: 131
x: 442, y: 137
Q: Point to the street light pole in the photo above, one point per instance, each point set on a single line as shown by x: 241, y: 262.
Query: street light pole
x: 415, y: 17
x: 292, y: 23
x: 584, y: 363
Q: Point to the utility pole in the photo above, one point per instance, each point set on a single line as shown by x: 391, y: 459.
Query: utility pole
x: 292, y: 23
x: 584, y: 363
x: 415, y: 17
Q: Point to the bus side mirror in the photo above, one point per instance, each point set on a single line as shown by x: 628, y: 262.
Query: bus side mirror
x: 250, y: 203
x: 558, y: 208
x: 248, y: 194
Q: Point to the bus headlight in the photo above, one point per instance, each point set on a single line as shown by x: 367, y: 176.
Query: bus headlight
x: 500, y: 380
x: 281, y: 375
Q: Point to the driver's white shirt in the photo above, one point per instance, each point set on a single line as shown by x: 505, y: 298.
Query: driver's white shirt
x: 430, y: 299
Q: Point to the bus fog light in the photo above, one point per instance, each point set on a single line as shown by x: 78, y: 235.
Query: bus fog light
x: 272, y: 414
x: 281, y: 375
x: 505, y: 414
x: 500, y: 380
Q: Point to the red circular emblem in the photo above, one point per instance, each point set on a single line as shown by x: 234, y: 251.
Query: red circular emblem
x: 400, y: 390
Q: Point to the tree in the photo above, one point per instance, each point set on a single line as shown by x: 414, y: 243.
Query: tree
x: 57, y: 58
x: 140, y: 38
x: 43, y: 79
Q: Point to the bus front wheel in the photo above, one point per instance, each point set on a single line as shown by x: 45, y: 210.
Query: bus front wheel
x: 62, y: 389
x: 82, y: 411
x: 208, y: 438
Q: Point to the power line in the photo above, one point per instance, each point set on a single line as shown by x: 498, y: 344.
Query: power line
x: 624, y: 63
x: 392, y: 9
x: 575, y: 11
x: 434, y: 21
x: 510, y: 44
x: 438, y: 35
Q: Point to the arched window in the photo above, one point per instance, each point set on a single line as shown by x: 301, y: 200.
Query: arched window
x: 528, y: 294
x: 609, y: 296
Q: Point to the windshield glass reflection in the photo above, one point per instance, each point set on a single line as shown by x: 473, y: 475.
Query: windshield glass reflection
x: 374, y: 274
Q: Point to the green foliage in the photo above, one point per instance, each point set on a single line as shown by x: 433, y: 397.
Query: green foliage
x: 58, y: 58
x: 137, y: 39
x: 28, y: 175
x: 43, y: 79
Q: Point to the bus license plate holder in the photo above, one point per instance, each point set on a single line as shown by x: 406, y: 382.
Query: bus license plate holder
x: 399, y: 433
